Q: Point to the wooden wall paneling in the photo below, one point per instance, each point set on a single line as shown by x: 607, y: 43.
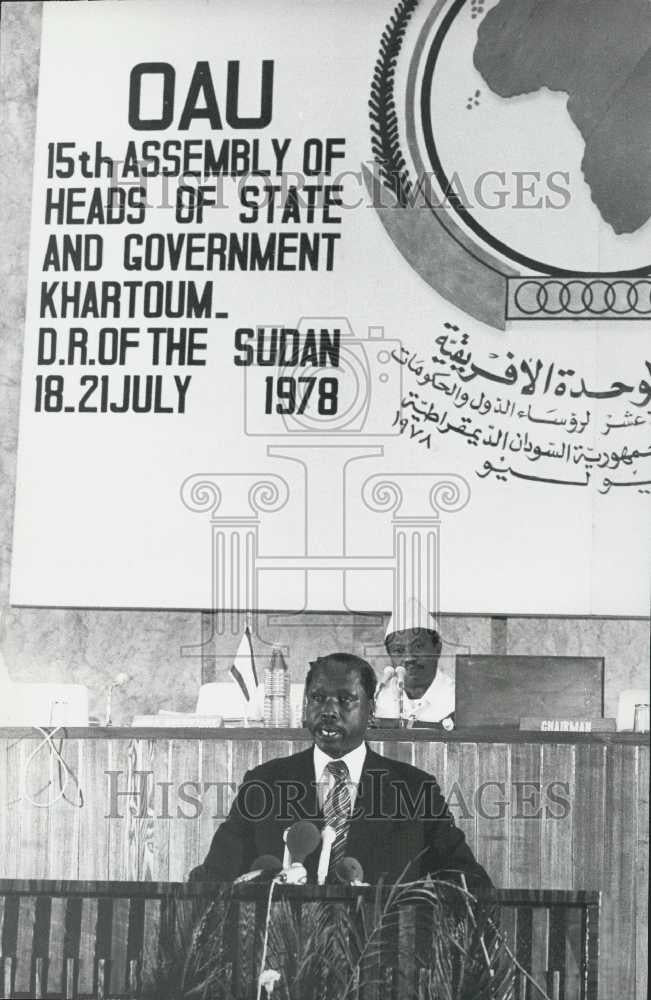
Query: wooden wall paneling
x: 7, y: 972
x: 154, y: 827
x: 55, y: 979
x: 492, y: 809
x: 462, y: 775
x: 39, y: 977
x: 617, y: 950
x: 589, y: 825
x: 41, y: 946
x: 5, y: 815
x: 526, y: 816
x: 150, y: 940
x: 10, y: 915
x: 588, y: 833
x: 401, y: 750
x: 95, y: 761
x: 36, y: 794
x: 558, y: 783
x: 87, y: 934
x: 119, y: 939
x: 186, y: 915
x: 216, y: 798
x: 243, y: 755
x: 72, y: 940
x: 557, y: 951
x: 432, y: 757
x: 539, y: 947
x: 122, y: 759
x: 523, y: 948
x: 136, y: 810
x: 10, y: 826
x: 296, y: 746
x: 269, y: 749
x: 185, y: 839
x: 26, y: 917
x: 573, y: 951
x: 377, y: 745
x: 135, y: 942
x: 642, y: 878
x: 103, y: 942
x: 591, y: 929
x: 64, y: 815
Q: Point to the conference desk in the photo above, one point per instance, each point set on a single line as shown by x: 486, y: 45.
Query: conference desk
x: 540, y: 810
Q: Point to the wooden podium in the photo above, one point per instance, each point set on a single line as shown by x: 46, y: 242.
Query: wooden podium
x: 82, y: 940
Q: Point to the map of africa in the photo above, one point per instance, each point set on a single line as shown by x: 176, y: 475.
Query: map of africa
x: 599, y: 53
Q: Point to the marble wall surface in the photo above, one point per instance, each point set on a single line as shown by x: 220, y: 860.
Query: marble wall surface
x: 163, y: 651
x: 624, y: 643
x: 169, y: 654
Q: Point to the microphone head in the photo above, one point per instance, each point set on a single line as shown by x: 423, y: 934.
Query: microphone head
x: 388, y: 674
x: 349, y: 870
x: 401, y: 673
x: 302, y: 838
x: 263, y: 868
x: 267, y: 863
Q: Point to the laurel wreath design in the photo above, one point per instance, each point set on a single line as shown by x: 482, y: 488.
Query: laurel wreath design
x: 385, y: 141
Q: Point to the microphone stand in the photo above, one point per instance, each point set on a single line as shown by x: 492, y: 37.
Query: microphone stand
x: 328, y: 837
x: 400, y: 675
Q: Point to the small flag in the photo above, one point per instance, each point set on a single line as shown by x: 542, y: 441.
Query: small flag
x: 243, y: 669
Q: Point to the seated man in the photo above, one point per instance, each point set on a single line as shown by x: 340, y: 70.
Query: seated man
x: 388, y: 815
x: 429, y: 695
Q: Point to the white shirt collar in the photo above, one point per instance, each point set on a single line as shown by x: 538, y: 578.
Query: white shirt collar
x: 438, y: 699
x: 354, y: 761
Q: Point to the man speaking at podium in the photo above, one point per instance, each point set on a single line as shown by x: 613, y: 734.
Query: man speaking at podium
x: 388, y: 815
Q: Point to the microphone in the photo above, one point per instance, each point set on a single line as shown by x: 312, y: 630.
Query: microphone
x: 349, y: 871
x: 328, y: 837
x: 387, y: 676
x: 118, y: 681
x: 302, y: 838
x: 401, y: 673
x: 266, y: 865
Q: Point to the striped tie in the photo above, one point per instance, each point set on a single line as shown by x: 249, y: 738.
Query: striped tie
x: 336, y: 810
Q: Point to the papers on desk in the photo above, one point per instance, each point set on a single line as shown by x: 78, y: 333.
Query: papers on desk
x: 181, y: 719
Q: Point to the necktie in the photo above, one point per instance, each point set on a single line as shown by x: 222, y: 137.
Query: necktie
x: 336, y: 810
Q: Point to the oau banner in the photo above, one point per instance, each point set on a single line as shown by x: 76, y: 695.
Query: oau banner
x: 339, y: 305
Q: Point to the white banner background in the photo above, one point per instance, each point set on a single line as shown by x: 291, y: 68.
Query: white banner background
x: 99, y: 517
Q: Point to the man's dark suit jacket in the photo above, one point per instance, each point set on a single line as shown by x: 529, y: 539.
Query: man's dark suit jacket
x: 400, y: 819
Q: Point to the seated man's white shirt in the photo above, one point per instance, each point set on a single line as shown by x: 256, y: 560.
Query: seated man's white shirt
x: 435, y: 704
x: 354, y: 761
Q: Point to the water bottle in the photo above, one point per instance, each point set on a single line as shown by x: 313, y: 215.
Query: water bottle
x: 268, y: 693
x: 279, y: 689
